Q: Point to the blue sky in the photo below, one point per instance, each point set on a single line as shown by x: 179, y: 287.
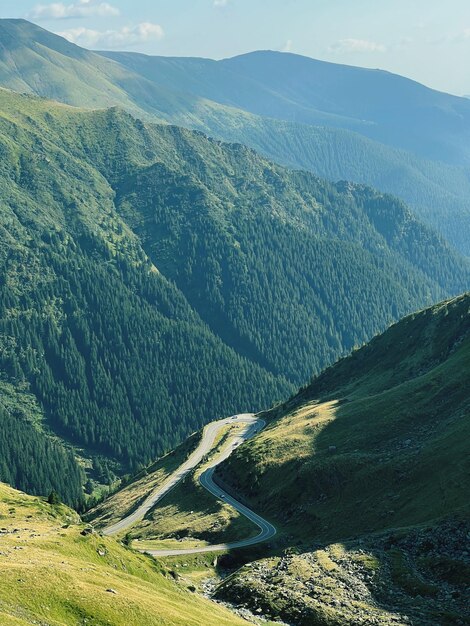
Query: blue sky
x: 428, y: 40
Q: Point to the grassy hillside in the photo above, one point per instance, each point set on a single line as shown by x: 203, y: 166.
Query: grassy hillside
x: 137, y: 257
x: 366, y: 474
x: 377, y: 441
x: 188, y: 516
x: 217, y: 99
x: 52, y: 574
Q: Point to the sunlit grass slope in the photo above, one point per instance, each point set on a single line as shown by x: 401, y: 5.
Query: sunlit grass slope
x: 187, y: 516
x: 51, y: 574
x: 380, y: 440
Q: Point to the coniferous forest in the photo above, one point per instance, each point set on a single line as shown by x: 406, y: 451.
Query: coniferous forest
x: 153, y: 279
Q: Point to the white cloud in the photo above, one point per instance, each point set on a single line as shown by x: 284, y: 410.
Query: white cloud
x: 220, y: 3
x: 114, y: 39
x: 356, y: 45
x: 287, y: 47
x: 82, y: 8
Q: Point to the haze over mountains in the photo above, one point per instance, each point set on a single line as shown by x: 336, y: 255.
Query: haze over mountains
x: 386, y: 107
x: 340, y: 122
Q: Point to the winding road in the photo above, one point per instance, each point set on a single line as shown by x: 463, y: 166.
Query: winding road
x: 252, y: 426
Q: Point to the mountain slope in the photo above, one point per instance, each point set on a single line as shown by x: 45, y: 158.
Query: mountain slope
x: 377, y: 441
x: 383, y: 106
x: 301, y: 92
x: 365, y: 472
x: 35, y: 61
x: 113, y: 353
x: 149, y: 271
x: 53, y: 573
x: 207, y: 95
x: 216, y: 218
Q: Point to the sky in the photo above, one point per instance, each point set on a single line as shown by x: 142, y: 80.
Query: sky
x: 427, y: 40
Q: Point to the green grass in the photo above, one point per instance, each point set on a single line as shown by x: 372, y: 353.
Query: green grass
x: 188, y: 516
x: 345, y: 584
x: 403, y: 576
x: 378, y: 441
x: 129, y: 496
x: 53, y: 574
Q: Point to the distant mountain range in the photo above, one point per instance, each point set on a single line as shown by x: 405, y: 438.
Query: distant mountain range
x: 153, y: 278
x: 383, y: 106
x: 343, y: 123
x: 185, y: 239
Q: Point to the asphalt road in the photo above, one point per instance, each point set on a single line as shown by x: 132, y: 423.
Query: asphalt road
x: 267, y: 530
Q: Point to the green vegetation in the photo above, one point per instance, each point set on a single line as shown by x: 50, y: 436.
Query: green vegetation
x: 133, y: 489
x: 55, y: 572
x: 376, y: 441
x: 116, y: 358
x: 310, y: 122
x: 29, y: 458
x: 154, y: 279
x: 188, y: 516
x: 383, y: 580
x: 165, y: 89
x: 372, y: 454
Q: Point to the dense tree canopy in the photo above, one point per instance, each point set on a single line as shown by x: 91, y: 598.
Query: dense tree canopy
x: 152, y: 279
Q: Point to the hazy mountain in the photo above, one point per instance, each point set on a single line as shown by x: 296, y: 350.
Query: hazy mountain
x: 204, y: 95
x: 383, y: 106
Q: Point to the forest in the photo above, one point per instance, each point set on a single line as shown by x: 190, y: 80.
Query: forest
x: 153, y: 279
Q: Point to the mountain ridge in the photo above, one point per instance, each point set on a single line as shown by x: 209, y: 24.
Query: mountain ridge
x: 438, y: 192
x: 165, y: 233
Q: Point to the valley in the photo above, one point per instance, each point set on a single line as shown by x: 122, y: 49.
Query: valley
x: 115, y: 231
x: 409, y: 141
x: 234, y: 320
x: 344, y: 471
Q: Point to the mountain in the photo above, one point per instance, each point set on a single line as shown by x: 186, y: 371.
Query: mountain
x: 379, y: 421
x: 380, y: 105
x: 218, y: 99
x: 97, y: 346
x: 153, y: 279
x: 365, y: 474
x: 316, y: 115
x: 55, y: 571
